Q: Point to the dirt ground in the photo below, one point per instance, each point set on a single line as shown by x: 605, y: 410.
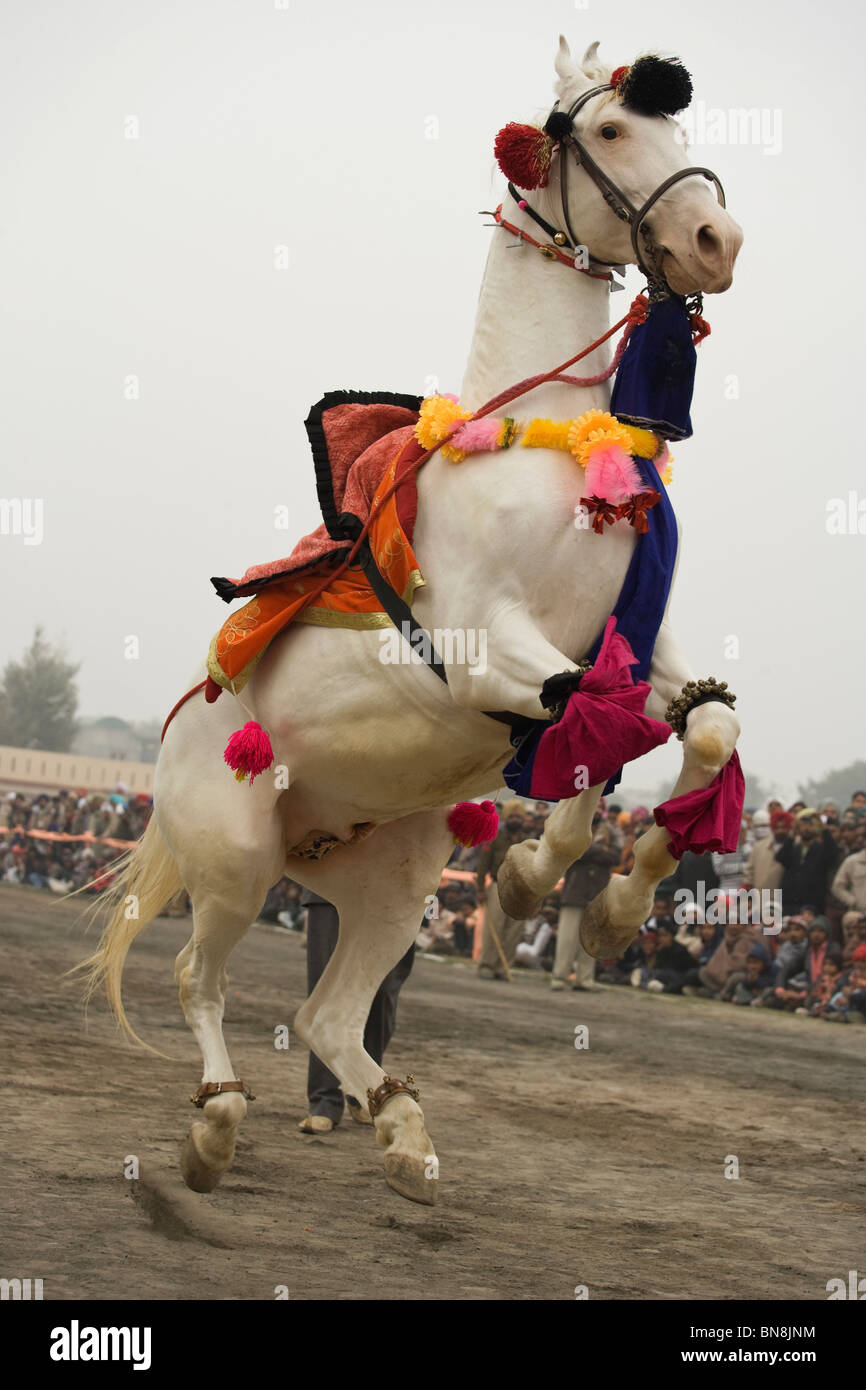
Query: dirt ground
x: 559, y: 1167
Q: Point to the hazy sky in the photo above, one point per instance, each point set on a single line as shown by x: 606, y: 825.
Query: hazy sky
x: 262, y: 125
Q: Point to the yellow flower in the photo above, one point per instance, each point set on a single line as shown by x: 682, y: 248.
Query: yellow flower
x: 596, y: 427
x: 435, y: 418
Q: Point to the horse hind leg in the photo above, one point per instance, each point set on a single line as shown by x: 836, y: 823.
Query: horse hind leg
x: 202, y: 981
x: 379, y: 888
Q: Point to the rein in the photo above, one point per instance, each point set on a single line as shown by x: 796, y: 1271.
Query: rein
x: 636, y: 314
x: 626, y: 211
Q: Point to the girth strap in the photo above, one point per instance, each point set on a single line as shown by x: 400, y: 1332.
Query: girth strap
x: 400, y: 613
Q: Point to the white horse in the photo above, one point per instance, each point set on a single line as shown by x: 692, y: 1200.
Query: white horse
x: 368, y: 743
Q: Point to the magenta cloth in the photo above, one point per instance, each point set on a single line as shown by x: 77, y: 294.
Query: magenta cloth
x: 603, y: 726
x: 707, y: 820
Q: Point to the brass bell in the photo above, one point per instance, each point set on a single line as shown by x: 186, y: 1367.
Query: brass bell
x: 560, y: 238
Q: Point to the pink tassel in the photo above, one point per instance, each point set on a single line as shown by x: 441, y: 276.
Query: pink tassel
x: 249, y: 752
x: 611, y: 474
x: 471, y: 824
x: 477, y: 436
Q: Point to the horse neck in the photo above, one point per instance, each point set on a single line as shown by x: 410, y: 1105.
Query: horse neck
x: 533, y: 314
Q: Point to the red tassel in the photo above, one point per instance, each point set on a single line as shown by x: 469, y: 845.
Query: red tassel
x: 471, y: 824
x: 700, y: 328
x: 249, y: 752
x: 523, y: 153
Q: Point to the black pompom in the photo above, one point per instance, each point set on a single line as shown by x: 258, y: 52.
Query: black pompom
x: 557, y: 125
x: 656, y: 86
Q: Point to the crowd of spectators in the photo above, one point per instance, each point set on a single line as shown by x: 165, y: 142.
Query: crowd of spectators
x: 798, y: 944
x: 62, y: 840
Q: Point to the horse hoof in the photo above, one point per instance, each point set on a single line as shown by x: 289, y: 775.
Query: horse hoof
x: 196, y: 1173
x: 407, y: 1175
x: 599, y: 937
x: 517, y: 898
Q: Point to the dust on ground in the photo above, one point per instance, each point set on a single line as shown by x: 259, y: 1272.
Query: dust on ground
x: 559, y: 1166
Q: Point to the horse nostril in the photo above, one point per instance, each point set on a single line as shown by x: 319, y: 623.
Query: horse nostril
x: 708, y: 241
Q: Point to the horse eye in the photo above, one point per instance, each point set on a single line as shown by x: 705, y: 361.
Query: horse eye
x: 609, y: 132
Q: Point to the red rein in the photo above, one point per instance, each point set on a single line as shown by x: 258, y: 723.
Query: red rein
x: 636, y: 314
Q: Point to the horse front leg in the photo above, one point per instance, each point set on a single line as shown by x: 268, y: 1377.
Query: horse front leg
x: 532, y: 868
x: 614, y: 916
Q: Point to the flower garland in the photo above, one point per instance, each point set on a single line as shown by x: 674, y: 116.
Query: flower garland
x: 604, y: 446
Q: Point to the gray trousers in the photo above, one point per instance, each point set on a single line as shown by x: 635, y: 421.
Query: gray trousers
x: 508, y: 929
x: 323, y: 1088
x: 569, y: 952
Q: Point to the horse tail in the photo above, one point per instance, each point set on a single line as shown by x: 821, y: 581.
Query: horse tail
x: 147, y: 880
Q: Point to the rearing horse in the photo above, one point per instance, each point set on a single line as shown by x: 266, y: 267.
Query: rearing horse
x: 378, y: 753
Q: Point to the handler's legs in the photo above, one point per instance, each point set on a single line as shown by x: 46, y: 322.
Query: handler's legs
x: 570, y: 955
x: 508, y: 929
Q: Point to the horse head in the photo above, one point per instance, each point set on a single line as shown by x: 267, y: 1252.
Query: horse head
x: 618, y: 152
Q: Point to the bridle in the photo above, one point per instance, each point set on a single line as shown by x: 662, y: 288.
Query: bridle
x: 617, y: 201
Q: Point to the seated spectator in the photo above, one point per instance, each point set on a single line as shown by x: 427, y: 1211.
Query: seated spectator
x: 819, y: 949
x: 689, y: 933
x: 437, y: 932
x: 537, y: 952
x: 619, y: 971
x: 463, y: 926
x: 846, y: 1005
x: 791, y: 955
x: 647, y: 944
x: 663, y: 911
x: 857, y: 980
x: 822, y: 990
x: 756, y: 978
x: 718, y: 978
x: 855, y: 936
x: 671, y: 962
x: 710, y: 934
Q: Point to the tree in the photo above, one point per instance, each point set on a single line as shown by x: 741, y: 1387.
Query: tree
x: 39, y: 698
x: 838, y: 785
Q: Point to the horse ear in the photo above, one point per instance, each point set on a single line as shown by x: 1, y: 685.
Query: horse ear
x: 572, y: 78
x: 593, y: 68
x: 563, y: 63
x: 566, y: 69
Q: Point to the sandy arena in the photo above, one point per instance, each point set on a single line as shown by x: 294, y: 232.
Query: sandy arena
x: 559, y: 1167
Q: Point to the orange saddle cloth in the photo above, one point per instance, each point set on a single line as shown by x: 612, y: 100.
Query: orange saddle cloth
x: 362, y: 442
